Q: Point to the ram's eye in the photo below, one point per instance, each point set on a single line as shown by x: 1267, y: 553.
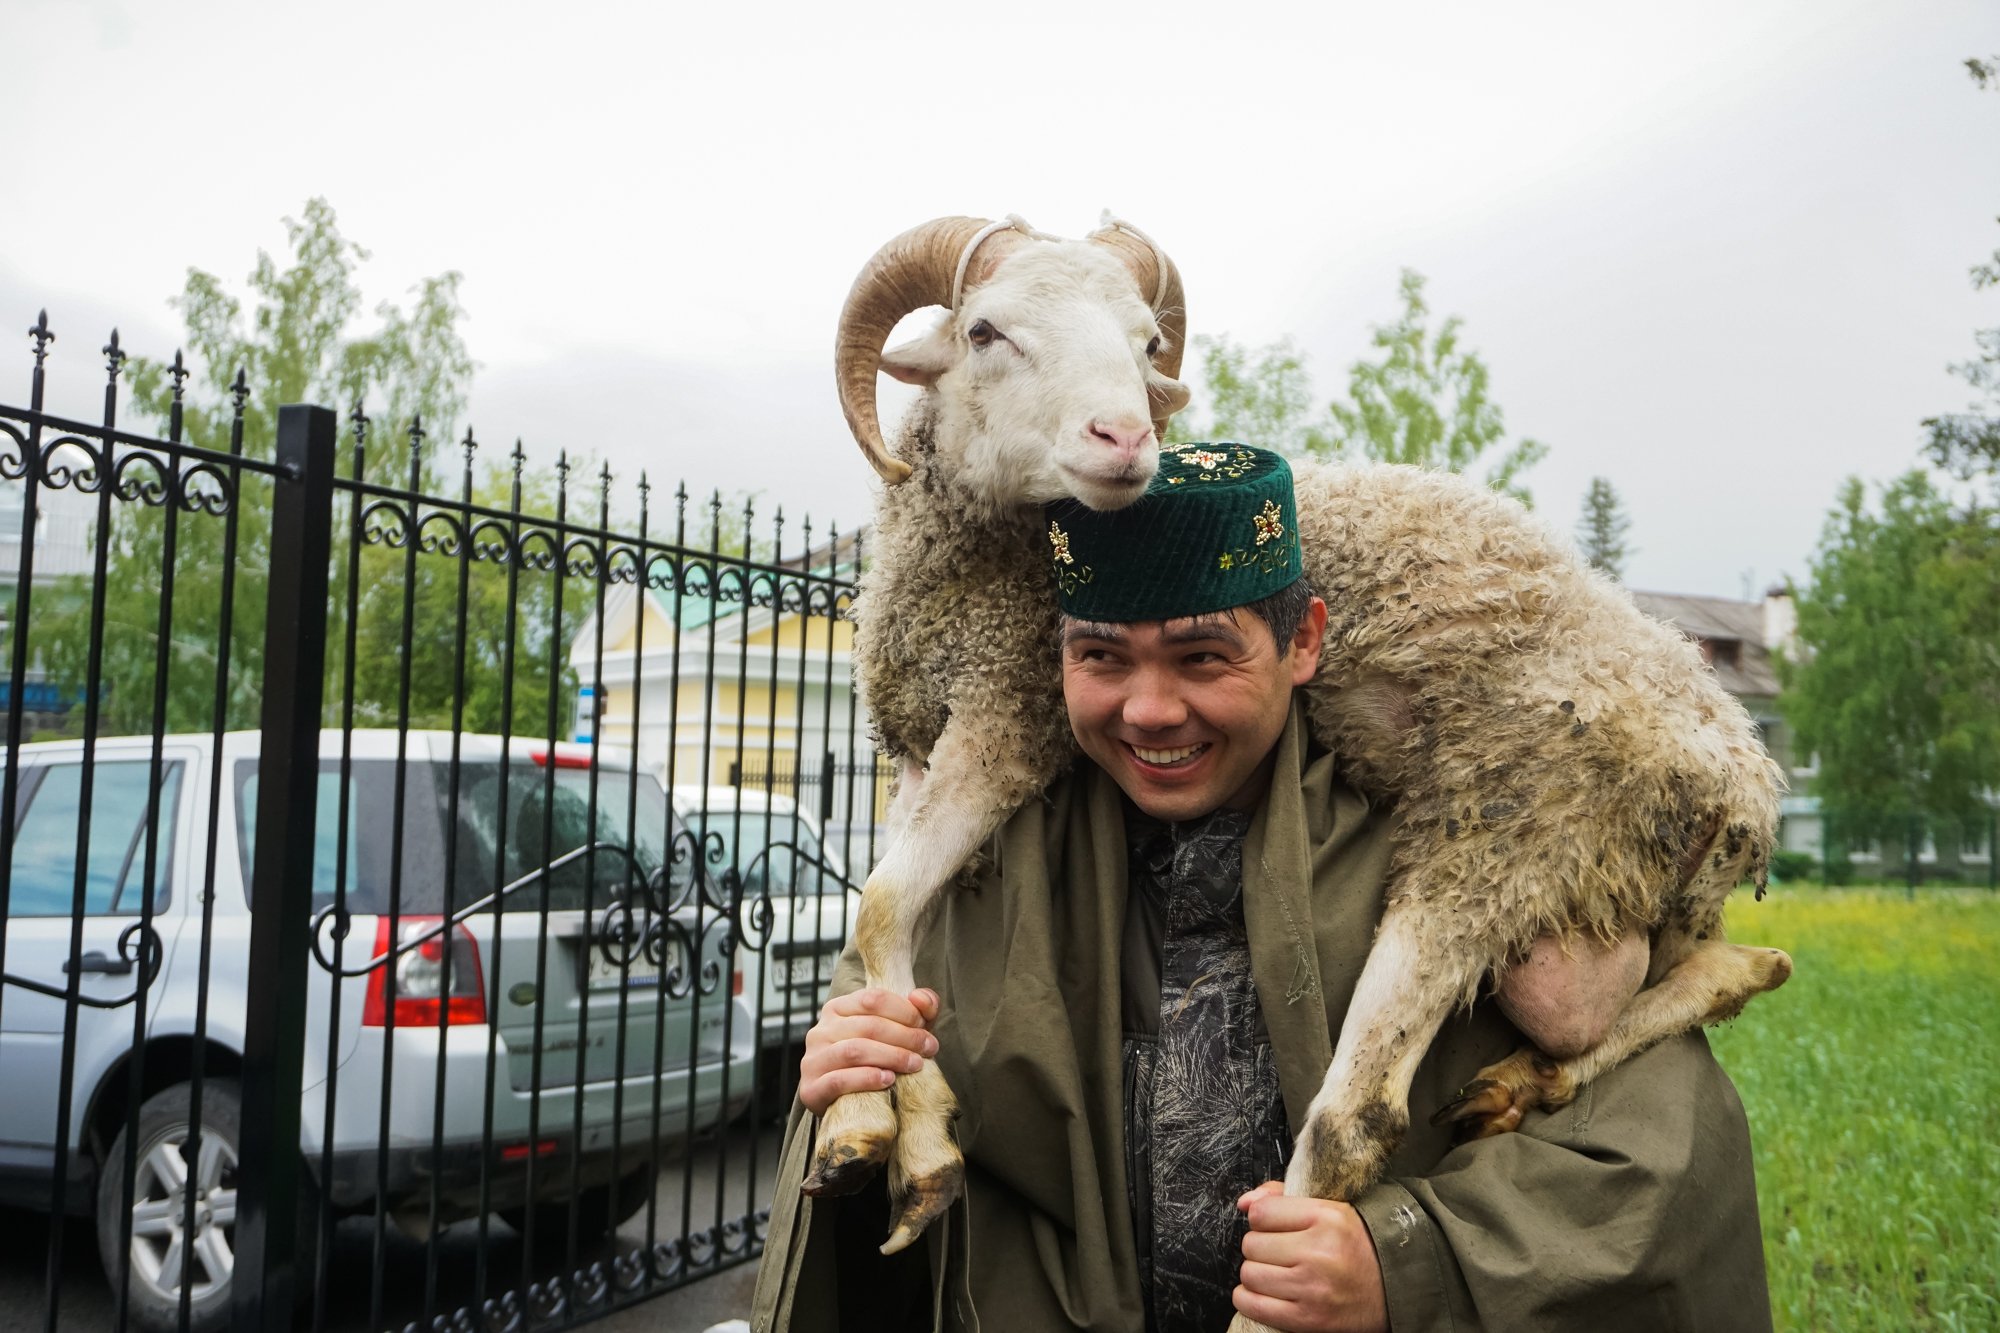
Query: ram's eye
x: 982, y: 333
x: 1153, y: 347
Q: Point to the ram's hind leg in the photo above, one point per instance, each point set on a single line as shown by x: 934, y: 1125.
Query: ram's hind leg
x: 1709, y: 981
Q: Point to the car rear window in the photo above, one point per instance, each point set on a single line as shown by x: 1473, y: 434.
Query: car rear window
x: 552, y: 814
x: 367, y: 870
x: 548, y: 814
x: 778, y: 850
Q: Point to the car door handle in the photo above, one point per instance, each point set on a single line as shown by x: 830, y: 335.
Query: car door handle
x: 98, y: 962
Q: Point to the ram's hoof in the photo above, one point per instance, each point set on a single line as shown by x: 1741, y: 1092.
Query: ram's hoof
x: 1496, y: 1100
x: 922, y: 1201
x: 843, y: 1166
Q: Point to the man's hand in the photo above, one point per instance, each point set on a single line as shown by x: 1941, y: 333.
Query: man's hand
x: 1309, y: 1266
x: 862, y: 1041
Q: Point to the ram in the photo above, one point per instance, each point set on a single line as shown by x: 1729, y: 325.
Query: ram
x: 1566, y: 768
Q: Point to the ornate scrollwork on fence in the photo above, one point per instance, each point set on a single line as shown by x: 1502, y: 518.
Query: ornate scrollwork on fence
x: 13, y: 453
x: 537, y: 549
x: 384, y: 523
x: 440, y: 533
x: 60, y: 475
x: 206, y: 489
x: 622, y: 563
x: 547, y: 1299
x: 491, y: 542
x: 130, y: 480
x: 582, y: 557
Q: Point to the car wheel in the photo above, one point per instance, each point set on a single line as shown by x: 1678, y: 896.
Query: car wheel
x: 160, y: 1241
x: 598, y: 1209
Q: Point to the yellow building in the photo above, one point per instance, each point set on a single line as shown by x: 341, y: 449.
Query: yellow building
x: 714, y: 696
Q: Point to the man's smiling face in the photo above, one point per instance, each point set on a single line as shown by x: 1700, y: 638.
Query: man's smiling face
x: 1183, y: 714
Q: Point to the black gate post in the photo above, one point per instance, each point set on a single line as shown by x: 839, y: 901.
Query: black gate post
x: 281, y: 878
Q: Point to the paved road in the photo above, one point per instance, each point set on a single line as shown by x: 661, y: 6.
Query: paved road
x: 85, y: 1303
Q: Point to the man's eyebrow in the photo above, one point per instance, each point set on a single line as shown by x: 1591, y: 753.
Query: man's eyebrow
x: 1091, y: 629
x: 1194, y: 629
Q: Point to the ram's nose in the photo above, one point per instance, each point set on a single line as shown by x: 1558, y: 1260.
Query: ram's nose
x: 1124, y: 437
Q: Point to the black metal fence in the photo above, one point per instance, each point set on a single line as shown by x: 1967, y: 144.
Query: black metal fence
x: 354, y: 976
x: 1835, y: 848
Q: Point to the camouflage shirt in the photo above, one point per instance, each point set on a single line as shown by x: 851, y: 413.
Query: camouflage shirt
x: 1204, y: 1120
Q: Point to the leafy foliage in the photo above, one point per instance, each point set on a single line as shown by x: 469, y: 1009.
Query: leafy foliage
x: 296, y: 343
x: 1897, y: 684
x: 1603, y: 527
x: 1967, y: 443
x: 1425, y: 402
x: 1261, y: 397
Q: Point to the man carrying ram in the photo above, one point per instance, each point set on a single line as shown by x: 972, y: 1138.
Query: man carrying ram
x: 1145, y: 984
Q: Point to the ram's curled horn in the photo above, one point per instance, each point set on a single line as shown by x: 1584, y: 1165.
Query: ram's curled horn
x: 1160, y: 285
x: 914, y: 270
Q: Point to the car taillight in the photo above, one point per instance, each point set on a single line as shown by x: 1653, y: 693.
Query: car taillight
x: 414, y: 982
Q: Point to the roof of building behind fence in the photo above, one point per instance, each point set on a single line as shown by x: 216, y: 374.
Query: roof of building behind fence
x: 1721, y: 620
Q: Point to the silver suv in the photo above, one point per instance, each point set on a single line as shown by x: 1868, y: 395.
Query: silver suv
x: 530, y: 985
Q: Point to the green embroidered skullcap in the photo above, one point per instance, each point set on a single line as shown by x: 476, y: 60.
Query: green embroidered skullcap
x: 1217, y: 528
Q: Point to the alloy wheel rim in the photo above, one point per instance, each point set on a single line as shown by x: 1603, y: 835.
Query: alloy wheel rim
x: 160, y: 1241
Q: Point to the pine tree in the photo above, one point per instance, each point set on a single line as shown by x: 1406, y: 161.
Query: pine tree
x: 1603, y: 527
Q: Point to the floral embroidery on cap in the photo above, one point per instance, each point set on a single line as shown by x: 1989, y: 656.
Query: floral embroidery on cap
x: 1269, y: 524
x: 1206, y: 459
x: 1060, y: 540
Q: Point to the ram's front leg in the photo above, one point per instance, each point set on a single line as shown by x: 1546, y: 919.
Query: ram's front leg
x: 961, y: 799
x: 1411, y: 981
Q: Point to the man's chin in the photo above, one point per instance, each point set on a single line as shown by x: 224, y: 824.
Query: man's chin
x: 1170, y: 804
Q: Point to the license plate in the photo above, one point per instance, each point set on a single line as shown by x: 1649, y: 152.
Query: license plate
x: 801, y: 971
x: 603, y: 971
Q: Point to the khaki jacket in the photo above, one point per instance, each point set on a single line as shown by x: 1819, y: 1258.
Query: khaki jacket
x: 1634, y: 1208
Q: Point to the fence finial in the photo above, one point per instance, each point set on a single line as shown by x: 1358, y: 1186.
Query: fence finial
x: 114, y: 355
x: 178, y: 372
x: 240, y: 390
x: 39, y: 331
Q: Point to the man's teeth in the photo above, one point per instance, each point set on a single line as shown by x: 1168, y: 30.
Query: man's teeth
x: 1168, y: 756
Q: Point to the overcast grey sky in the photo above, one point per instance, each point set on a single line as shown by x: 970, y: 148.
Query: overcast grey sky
x: 1716, y: 252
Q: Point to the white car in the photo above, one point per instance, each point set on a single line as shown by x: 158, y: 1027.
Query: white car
x: 572, y: 1027
x: 771, y: 843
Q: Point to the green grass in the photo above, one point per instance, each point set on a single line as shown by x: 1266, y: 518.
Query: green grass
x: 1872, y: 1081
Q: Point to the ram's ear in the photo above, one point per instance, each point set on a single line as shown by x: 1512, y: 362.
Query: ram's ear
x: 922, y: 360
